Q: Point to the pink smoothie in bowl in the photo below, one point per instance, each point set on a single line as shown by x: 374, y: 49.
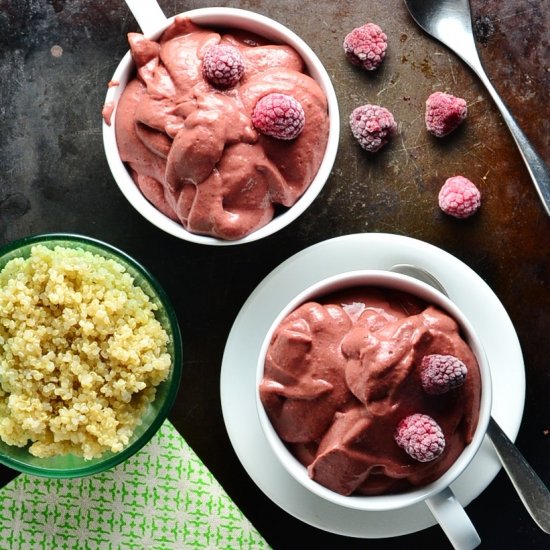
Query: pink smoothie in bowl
x: 186, y: 151
x: 373, y: 390
x: 343, y: 370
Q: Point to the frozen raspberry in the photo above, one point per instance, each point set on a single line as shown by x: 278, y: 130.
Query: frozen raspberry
x: 459, y: 197
x: 442, y: 373
x: 444, y: 113
x: 421, y: 437
x: 372, y: 126
x: 223, y: 66
x: 366, y: 46
x: 279, y: 115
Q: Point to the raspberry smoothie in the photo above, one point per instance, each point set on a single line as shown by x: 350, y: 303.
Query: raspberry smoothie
x: 373, y: 390
x: 185, y: 130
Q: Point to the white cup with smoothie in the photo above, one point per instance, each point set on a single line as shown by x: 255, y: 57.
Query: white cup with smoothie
x: 185, y: 148
x: 374, y: 393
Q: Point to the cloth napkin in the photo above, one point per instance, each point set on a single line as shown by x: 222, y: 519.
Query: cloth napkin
x: 161, y: 498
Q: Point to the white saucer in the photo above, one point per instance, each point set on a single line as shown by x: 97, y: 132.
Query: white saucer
x: 364, y: 251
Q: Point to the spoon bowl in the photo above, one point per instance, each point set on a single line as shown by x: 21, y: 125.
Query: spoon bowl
x: 450, y: 22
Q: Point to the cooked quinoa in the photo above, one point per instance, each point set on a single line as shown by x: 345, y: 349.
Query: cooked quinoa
x: 81, y: 353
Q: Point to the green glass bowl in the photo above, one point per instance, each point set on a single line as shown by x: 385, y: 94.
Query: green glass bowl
x: 68, y: 466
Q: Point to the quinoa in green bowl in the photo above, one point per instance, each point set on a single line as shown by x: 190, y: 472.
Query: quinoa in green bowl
x: 90, y: 355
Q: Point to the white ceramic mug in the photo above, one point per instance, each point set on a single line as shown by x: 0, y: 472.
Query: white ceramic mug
x: 153, y: 22
x: 438, y: 495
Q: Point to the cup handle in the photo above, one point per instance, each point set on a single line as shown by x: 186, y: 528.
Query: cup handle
x: 454, y: 521
x: 148, y: 15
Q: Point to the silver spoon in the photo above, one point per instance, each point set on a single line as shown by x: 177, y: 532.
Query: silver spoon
x: 450, y: 22
x: 531, y: 490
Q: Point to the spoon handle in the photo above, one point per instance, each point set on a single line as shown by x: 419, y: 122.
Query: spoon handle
x: 535, y: 165
x: 148, y: 15
x: 531, y: 490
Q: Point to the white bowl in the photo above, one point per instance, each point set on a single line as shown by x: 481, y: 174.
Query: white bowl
x: 390, y: 280
x: 263, y: 26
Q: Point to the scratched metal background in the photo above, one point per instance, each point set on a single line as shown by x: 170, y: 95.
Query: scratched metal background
x: 56, y: 57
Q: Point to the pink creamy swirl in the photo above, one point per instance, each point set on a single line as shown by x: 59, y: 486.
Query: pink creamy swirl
x: 341, y: 373
x: 192, y: 148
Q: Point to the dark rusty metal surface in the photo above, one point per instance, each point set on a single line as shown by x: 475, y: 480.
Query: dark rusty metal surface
x: 56, y: 58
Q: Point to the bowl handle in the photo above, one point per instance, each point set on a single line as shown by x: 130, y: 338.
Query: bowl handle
x: 148, y: 14
x: 454, y: 521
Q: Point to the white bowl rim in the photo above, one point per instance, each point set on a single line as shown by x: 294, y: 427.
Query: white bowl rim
x: 392, y: 280
x: 271, y: 29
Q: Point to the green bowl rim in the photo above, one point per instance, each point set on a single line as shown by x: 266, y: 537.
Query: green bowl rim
x: 131, y: 449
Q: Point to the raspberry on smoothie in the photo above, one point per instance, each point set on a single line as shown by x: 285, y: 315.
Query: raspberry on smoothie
x: 279, y: 115
x: 442, y: 373
x: 223, y: 65
x: 421, y: 437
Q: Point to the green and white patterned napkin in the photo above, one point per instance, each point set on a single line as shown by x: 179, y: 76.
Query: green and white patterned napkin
x: 161, y: 498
